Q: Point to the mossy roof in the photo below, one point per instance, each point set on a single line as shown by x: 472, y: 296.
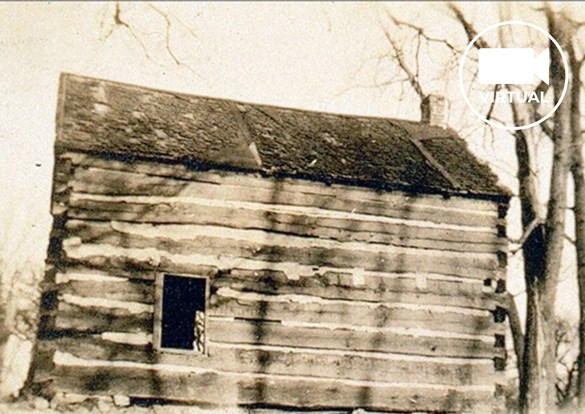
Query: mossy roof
x: 132, y: 122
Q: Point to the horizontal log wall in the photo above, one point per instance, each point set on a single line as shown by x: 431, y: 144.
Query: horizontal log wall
x: 321, y: 296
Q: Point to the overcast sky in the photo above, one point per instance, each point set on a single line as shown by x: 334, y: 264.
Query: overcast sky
x: 321, y: 56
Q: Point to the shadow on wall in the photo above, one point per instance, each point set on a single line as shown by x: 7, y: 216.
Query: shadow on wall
x: 270, y: 281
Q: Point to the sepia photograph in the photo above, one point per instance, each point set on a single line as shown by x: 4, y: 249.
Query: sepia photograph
x: 292, y: 207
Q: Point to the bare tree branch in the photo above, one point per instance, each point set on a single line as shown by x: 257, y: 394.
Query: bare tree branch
x: 467, y: 26
x: 422, y: 33
x: 122, y: 23
x: 169, y: 49
x: 400, y: 60
x: 527, y: 233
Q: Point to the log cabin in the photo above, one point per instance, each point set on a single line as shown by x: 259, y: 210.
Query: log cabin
x: 220, y: 253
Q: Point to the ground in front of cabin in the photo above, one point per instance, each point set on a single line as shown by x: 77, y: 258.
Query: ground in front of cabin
x: 82, y: 405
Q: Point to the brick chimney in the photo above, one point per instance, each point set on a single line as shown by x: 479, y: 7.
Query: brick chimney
x: 432, y: 110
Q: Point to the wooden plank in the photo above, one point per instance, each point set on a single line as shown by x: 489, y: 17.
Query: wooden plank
x: 227, y: 389
x: 297, y: 393
x: 312, y: 309
x: 130, y: 290
x: 334, y: 285
x: 101, y: 319
x: 173, y: 212
x: 124, y: 265
x: 187, y: 231
x: 100, y: 181
x: 181, y: 172
x: 329, y: 285
x: 285, y: 361
x: 227, y: 256
x: 136, y: 270
x: 353, y: 313
x: 113, y: 258
x: 98, y: 320
x: 305, y: 254
x: 276, y: 334
x: 193, y: 388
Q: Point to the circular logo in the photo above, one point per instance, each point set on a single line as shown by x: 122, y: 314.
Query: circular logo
x: 493, y: 78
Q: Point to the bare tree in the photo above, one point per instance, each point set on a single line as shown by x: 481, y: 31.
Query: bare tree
x: 578, y: 173
x: 544, y: 232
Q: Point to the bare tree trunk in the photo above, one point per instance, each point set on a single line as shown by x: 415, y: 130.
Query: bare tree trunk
x: 578, y: 172
x: 534, y: 251
x: 555, y: 221
x: 538, y: 392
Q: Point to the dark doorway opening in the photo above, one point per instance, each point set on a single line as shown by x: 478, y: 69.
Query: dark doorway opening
x: 183, y: 313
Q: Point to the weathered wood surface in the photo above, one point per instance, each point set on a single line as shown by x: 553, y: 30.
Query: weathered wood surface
x: 181, y: 172
x: 330, y: 285
x: 100, y: 256
x: 137, y: 271
x: 396, y: 337
x: 295, y: 250
x: 105, y: 256
x: 267, y: 235
x: 290, y: 361
x: 101, y: 319
x: 277, y: 334
x: 299, y: 275
x: 175, y: 211
x: 100, y: 181
x: 307, y: 309
x: 229, y: 389
x: 393, y: 288
x: 130, y: 290
x: 354, y: 314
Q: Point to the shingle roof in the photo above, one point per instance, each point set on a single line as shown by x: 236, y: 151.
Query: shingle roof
x: 111, y: 118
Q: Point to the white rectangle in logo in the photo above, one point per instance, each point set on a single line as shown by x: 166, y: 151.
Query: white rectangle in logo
x: 512, y: 66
